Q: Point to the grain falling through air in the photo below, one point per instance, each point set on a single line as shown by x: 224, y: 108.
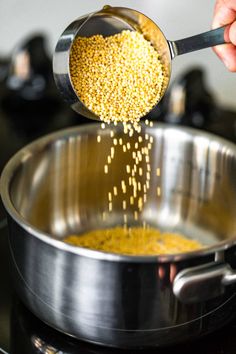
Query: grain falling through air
x: 137, y: 174
x: 120, y: 78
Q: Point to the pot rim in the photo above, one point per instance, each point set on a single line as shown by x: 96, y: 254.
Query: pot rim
x: 26, y: 152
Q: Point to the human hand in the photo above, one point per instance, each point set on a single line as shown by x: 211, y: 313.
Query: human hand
x: 225, y: 14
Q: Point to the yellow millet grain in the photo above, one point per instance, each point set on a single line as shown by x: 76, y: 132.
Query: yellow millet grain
x: 128, y: 168
x: 130, y: 181
x: 135, y: 241
x: 115, y: 191
x: 106, y: 169
x: 119, y: 78
x: 112, y: 151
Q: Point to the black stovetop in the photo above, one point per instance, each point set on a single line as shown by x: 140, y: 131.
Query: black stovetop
x: 28, y: 111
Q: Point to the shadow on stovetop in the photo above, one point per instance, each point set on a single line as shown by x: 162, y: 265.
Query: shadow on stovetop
x: 29, y: 335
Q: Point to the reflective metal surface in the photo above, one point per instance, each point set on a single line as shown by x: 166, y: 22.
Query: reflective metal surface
x: 203, y: 282
x: 112, y: 20
x: 57, y: 186
x: 30, y: 336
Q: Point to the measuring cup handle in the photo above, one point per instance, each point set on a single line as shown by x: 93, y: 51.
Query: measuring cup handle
x: 200, y: 41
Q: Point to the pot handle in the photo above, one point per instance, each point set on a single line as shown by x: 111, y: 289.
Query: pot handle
x: 201, y: 283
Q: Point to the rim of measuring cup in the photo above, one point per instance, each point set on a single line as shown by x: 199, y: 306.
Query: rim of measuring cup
x: 61, y: 66
x: 61, y: 57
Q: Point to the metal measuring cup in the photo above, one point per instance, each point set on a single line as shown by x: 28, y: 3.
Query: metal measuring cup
x: 109, y: 21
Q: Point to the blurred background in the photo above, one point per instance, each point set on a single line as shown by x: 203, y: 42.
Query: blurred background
x: 177, y: 19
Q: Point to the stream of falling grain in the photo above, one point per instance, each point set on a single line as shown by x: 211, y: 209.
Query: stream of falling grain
x: 135, y: 183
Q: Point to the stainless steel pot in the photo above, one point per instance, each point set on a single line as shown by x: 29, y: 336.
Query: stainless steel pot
x: 56, y: 186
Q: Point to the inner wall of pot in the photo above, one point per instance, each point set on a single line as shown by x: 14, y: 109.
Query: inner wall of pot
x: 63, y: 189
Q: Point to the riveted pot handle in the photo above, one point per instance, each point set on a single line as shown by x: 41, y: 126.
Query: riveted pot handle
x: 203, y: 282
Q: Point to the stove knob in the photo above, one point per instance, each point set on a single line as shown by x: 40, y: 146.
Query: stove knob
x: 30, y: 69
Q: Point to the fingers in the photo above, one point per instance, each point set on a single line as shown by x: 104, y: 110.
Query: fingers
x: 231, y: 4
x: 224, y: 14
x: 232, y: 33
x: 227, y: 53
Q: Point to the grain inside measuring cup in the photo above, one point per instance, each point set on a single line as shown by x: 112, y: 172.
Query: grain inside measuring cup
x: 119, y: 77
